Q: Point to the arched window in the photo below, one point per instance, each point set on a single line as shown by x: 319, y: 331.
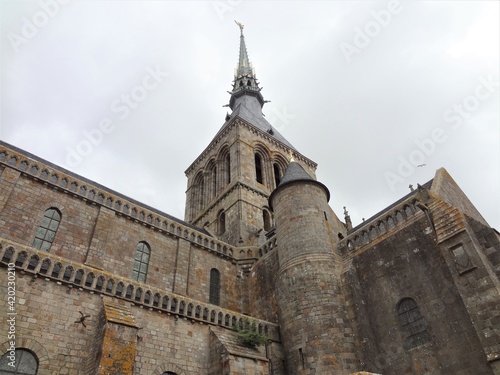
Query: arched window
x: 221, y: 222
x: 228, y: 168
x: 198, y: 193
x: 47, y: 230
x: 169, y: 373
x: 258, y: 169
x: 141, y: 261
x: 413, y: 323
x: 214, y: 297
x: 266, y: 216
x: 214, y: 181
x: 25, y: 363
x: 277, y: 174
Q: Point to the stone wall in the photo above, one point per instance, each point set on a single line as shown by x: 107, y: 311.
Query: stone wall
x: 409, y: 264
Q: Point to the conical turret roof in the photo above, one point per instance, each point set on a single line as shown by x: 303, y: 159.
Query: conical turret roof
x: 296, y: 173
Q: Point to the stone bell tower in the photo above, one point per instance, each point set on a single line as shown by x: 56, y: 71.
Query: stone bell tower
x: 311, y: 304
x: 229, y: 183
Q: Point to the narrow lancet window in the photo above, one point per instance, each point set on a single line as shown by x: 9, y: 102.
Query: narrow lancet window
x: 258, y: 169
x: 277, y: 174
x: 214, y: 296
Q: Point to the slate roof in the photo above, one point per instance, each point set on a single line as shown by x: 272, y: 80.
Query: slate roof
x: 248, y: 109
x: 294, y: 173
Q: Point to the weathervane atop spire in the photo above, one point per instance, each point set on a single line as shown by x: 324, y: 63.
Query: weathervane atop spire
x: 240, y: 25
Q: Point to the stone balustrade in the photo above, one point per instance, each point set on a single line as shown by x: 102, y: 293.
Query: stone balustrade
x: 71, y: 274
x: 379, y: 226
x: 95, y: 194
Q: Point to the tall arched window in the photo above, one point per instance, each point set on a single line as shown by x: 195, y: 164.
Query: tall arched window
x: 221, y: 222
x: 277, y: 174
x: 141, y: 261
x: 266, y: 216
x: 258, y: 169
x: 214, y: 297
x: 47, y: 230
x: 25, y: 363
x: 228, y: 168
x: 413, y: 323
x: 214, y: 181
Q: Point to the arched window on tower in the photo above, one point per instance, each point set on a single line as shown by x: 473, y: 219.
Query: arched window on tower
x: 198, y: 193
x: 228, y: 168
x: 413, y: 323
x: 141, y: 262
x: 46, y: 232
x: 277, y: 174
x: 266, y: 216
x: 26, y: 363
x: 214, y: 296
x: 214, y: 181
x: 258, y: 169
x: 221, y: 222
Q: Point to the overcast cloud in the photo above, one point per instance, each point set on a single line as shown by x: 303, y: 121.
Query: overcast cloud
x: 368, y: 90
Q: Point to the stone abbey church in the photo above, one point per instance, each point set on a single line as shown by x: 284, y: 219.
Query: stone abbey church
x: 107, y: 285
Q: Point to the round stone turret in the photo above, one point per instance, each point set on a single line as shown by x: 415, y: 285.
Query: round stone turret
x: 311, y: 304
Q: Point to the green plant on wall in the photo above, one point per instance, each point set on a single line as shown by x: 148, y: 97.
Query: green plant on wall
x: 248, y: 335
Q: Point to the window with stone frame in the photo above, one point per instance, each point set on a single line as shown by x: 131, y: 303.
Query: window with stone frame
x: 46, y: 232
x: 413, y: 323
x: 141, y: 262
x: 221, y: 222
x: 277, y: 174
x: 258, y: 169
x: 214, y: 295
x: 266, y: 217
x: 25, y: 363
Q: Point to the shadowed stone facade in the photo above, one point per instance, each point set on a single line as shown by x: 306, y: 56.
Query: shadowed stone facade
x: 107, y: 285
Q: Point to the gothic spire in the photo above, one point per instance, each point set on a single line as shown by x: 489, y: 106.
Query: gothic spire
x: 245, y: 81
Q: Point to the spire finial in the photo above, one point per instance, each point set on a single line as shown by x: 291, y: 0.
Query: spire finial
x: 347, y: 218
x: 244, y: 83
x: 240, y: 25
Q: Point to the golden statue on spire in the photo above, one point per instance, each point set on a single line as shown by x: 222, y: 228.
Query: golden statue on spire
x: 240, y: 25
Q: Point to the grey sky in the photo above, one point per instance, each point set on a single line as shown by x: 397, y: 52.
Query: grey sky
x: 365, y: 89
